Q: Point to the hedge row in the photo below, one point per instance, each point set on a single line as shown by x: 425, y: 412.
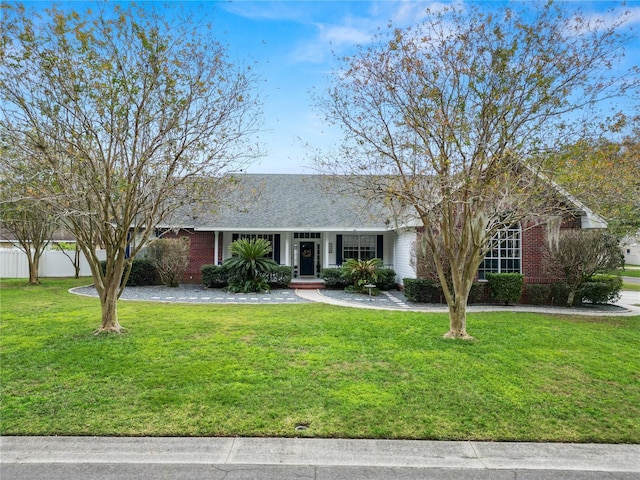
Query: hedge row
x: 508, y: 288
x: 430, y: 291
x: 335, y: 279
x: 217, y: 276
x: 598, y: 289
x: 143, y: 273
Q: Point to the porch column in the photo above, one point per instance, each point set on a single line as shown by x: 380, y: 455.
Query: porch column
x: 215, y: 248
x: 325, y: 260
x: 287, y: 249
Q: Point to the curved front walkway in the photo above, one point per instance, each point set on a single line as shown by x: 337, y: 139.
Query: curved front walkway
x: 629, y: 303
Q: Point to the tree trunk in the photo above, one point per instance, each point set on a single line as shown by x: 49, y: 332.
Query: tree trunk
x: 458, y: 319
x: 571, y: 297
x: 34, y: 263
x: 109, y: 303
x: 76, y: 262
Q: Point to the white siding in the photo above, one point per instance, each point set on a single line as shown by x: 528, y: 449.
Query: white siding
x: 402, y: 254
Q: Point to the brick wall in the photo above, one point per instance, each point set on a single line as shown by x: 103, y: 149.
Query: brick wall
x: 533, y: 240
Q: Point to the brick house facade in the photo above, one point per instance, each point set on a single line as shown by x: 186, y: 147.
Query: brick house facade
x: 311, y: 230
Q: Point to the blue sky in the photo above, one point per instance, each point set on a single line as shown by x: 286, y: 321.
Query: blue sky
x: 292, y: 45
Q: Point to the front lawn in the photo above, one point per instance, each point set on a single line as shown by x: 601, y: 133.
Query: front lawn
x: 224, y: 370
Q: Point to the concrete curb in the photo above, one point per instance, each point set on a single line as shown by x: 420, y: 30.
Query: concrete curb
x: 321, y: 452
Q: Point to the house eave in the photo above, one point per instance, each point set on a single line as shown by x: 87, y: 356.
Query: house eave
x: 291, y: 229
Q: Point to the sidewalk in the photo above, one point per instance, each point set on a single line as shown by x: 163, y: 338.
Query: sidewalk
x: 321, y: 452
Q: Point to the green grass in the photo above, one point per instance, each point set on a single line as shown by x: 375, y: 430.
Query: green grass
x: 222, y: 370
x: 630, y: 272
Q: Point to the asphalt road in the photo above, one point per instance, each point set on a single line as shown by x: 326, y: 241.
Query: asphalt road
x: 83, y: 471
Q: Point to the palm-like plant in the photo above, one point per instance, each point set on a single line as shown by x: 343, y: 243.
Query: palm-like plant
x: 249, y: 265
x: 361, y: 272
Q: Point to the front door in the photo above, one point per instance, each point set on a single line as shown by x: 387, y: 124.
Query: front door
x: 307, y: 254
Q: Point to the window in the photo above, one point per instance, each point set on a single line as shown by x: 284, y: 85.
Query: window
x: 505, y: 254
x: 360, y: 247
x: 306, y: 235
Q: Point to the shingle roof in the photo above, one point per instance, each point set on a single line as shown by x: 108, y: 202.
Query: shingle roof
x: 288, y: 202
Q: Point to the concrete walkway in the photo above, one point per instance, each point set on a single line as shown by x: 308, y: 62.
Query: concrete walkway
x: 629, y: 305
x: 321, y: 452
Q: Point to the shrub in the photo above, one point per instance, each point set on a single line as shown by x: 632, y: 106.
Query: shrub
x: 600, y: 289
x: 422, y: 290
x: 386, y: 279
x: 559, y: 293
x: 249, y: 267
x: 425, y: 290
x: 537, y: 293
x: 477, y: 294
x: 505, y: 287
x: 280, y: 277
x: 170, y: 257
x: 143, y: 273
x: 333, y: 278
x: 214, y: 276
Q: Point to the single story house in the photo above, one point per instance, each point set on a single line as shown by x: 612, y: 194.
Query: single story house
x: 311, y: 229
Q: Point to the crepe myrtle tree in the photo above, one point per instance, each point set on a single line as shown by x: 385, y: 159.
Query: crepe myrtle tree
x: 24, y: 219
x: 444, y: 122
x: 126, y: 111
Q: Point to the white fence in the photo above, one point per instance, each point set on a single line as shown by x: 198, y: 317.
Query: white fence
x: 631, y: 253
x: 53, y: 263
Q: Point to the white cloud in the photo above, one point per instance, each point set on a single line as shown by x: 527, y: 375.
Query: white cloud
x: 343, y: 34
x: 345, y: 31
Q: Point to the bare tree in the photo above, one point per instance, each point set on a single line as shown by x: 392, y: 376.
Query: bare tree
x: 170, y: 256
x: 127, y: 110
x: 576, y: 255
x: 446, y: 121
x: 24, y: 218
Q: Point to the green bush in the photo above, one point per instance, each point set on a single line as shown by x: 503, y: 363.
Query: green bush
x: 280, y: 277
x: 333, y: 278
x: 559, y: 293
x: 537, y: 293
x: 386, y: 279
x: 505, y: 287
x: 478, y: 293
x: 600, y: 289
x: 422, y: 290
x: 143, y: 272
x: 249, y: 266
x: 429, y: 291
x: 214, y: 276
